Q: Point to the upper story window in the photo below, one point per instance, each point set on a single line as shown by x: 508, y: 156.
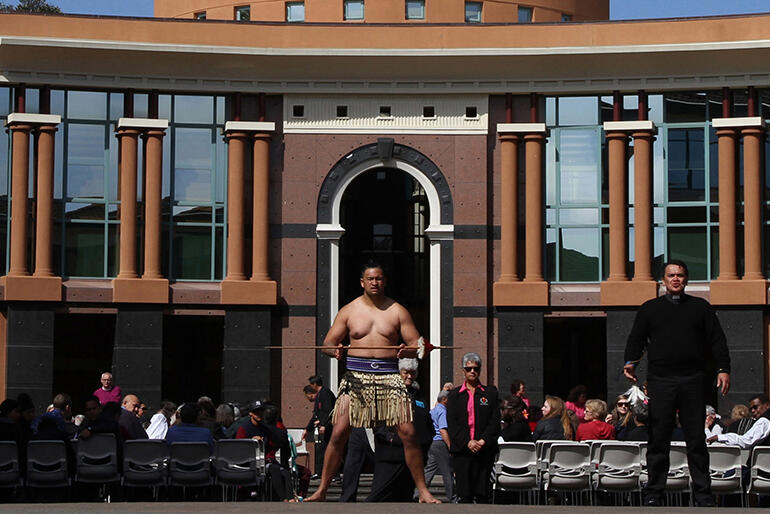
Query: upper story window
x: 353, y: 10
x: 295, y: 11
x: 473, y: 12
x: 200, y: 15
x: 566, y: 17
x: 525, y: 15
x: 243, y: 13
x: 415, y: 9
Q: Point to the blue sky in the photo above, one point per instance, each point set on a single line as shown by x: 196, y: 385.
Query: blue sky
x: 619, y: 9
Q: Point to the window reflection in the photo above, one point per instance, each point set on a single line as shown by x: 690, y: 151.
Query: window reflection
x: 192, y: 252
x: 689, y: 245
x: 686, y: 166
x: 87, y: 105
x: 193, y: 109
x: 579, y: 174
x: 579, y: 254
x: 84, y: 250
x: 578, y: 111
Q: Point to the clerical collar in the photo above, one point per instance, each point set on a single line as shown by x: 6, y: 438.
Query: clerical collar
x: 674, y: 298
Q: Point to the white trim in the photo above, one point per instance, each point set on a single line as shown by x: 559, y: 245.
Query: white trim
x: 521, y: 128
x: 628, y: 125
x: 746, y: 122
x: 142, y: 123
x: 32, y: 118
x: 440, y: 232
x: 385, y: 130
x: 250, y: 126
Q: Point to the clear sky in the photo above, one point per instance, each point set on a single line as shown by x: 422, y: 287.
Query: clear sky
x: 619, y: 9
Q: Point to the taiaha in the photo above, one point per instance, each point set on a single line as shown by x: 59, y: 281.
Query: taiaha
x: 423, y: 347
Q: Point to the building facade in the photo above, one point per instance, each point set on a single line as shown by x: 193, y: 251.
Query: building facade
x: 180, y: 194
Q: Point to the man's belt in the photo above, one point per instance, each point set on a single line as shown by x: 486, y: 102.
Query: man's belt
x: 372, y: 365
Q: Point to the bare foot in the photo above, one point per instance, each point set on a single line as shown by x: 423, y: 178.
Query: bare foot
x: 426, y: 497
x: 318, y: 496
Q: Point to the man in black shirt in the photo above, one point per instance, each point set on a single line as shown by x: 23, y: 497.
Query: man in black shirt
x: 679, y: 333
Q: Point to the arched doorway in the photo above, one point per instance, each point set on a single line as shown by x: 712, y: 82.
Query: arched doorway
x: 385, y: 212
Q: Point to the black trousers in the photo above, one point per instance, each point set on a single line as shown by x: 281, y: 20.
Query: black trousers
x: 472, y: 471
x: 359, y: 452
x: 667, y: 395
x: 392, y: 482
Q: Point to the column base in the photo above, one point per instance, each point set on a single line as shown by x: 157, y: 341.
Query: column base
x: 738, y: 292
x: 627, y: 292
x: 249, y: 292
x: 31, y: 288
x: 525, y: 294
x: 140, y: 290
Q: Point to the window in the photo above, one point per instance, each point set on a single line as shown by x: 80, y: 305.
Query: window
x: 353, y: 10
x: 385, y: 111
x: 525, y: 15
x: 342, y: 111
x: 200, y: 15
x: 473, y: 12
x: 295, y: 11
x: 566, y: 17
x: 428, y: 111
x: 415, y: 9
x: 243, y: 13
x: 471, y: 112
x: 298, y: 111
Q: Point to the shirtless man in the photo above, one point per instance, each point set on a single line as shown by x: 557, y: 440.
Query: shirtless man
x: 372, y: 391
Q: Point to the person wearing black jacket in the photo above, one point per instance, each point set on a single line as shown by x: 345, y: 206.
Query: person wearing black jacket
x: 679, y: 332
x: 473, y: 419
x: 323, y: 405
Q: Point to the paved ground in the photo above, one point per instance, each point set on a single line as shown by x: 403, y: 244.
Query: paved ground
x: 332, y: 508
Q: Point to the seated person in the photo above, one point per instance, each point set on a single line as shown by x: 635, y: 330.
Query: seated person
x: 758, y: 434
x: 96, y: 422
x: 594, y: 426
x: 187, y: 431
x: 638, y: 432
x: 515, y: 426
x: 555, y: 423
x: 712, y: 426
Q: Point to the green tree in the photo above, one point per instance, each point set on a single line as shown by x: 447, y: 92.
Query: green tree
x: 39, y: 6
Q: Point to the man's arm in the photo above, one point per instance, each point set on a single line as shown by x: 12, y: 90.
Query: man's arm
x: 759, y: 431
x: 409, y: 333
x: 336, y: 334
x: 636, y: 344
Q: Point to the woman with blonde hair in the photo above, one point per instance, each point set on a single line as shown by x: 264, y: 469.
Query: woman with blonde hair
x: 555, y: 423
x: 621, y: 417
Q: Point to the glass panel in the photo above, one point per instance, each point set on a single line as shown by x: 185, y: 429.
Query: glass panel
x: 525, y: 15
x: 219, y: 245
x: 658, y: 182
x: 113, y: 249
x: 116, y: 107
x: 579, y: 255
x: 578, y: 111
x: 686, y: 214
x: 57, y: 102
x: 192, y: 171
x: 685, y: 107
x: 295, y: 11
x: 243, y: 13
x: 686, y: 167
x: 354, y: 9
x: 164, y: 107
x: 84, y: 211
x: 193, y: 109
x: 141, y: 105
x: 415, y: 9
x: 32, y: 100
x: 714, y: 166
x: 579, y: 216
x: 84, y: 252
x: 221, y: 171
x: 550, y: 172
x: 714, y: 252
x: 220, y: 110
x: 550, y: 217
x: 473, y: 12
x: 5, y: 100
x: 85, y: 181
x: 689, y: 245
x: 112, y: 177
x: 192, y: 253
x: 86, y: 105
x: 186, y: 214
x: 85, y: 144
x: 550, y: 254
x: 579, y: 177
x: 550, y: 111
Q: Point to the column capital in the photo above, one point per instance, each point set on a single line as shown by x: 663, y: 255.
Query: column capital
x: 616, y: 134
x: 236, y: 134
x: 630, y: 126
x: 752, y: 131
x: 153, y: 133
x: 48, y: 128
x: 508, y: 136
x: 142, y: 123
x: 125, y: 131
x: 329, y: 231
x: 262, y: 136
x: 23, y: 118
x: 738, y: 123
x: 249, y: 126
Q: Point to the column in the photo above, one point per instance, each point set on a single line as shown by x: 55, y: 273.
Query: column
x: 19, y: 284
x: 617, y: 290
x: 533, y: 190
x: 727, y: 215
x: 259, y: 289
x: 152, y: 287
x: 509, y: 171
x: 752, y: 206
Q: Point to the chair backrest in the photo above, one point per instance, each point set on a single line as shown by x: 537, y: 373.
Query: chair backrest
x: 47, y: 453
x: 678, y: 456
x: 239, y: 452
x: 619, y: 455
x: 517, y: 455
x: 595, y: 445
x: 760, y: 459
x: 98, y: 446
x: 643, y: 453
x: 724, y: 458
x: 569, y: 455
x: 9, y: 463
x: 296, y: 435
x: 189, y: 454
x: 145, y: 452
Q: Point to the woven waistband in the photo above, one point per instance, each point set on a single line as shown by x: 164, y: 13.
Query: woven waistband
x: 372, y: 365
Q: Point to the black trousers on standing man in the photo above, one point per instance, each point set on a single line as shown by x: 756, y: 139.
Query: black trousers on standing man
x: 667, y: 395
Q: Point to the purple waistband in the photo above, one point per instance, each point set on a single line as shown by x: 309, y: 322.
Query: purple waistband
x: 372, y: 365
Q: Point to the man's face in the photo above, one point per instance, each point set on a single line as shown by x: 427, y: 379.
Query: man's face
x: 256, y: 417
x: 107, y: 380
x: 373, y: 282
x: 408, y: 375
x: 675, y: 279
x: 92, y: 410
x: 757, y: 408
x: 141, y: 410
x: 131, y: 403
x: 472, y: 370
x: 310, y: 397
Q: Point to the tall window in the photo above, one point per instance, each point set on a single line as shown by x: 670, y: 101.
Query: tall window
x: 295, y: 11
x: 243, y: 13
x: 353, y: 9
x: 525, y: 15
x: 415, y: 9
x: 473, y: 12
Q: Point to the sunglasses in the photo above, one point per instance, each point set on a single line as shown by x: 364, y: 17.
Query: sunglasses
x: 753, y: 407
x: 472, y: 368
x: 624, y: 404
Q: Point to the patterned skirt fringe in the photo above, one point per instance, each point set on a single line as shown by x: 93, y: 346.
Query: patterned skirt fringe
x: 375, y: 399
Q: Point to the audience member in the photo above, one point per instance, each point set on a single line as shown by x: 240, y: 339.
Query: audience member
x: 555, y: 424
x: 712, y: 426
x: 60, y: 413
x: 108, y: 392
x: 576, y: 401
x: 594, y: 426
x: 207, y: 417
x: 473, y: 418
x: 448, y: 386
x: 439, y: 458
x: 515, y: 426
x: 637, y: 432
x: 26, y: 415
x: 758, y: 434
x: 358, y: 456
x: 9, y: 421
x: 323, y: 405
x: 161, y: 420
x: 131, y: 427
x: 253, y: 429
x: 96, y: 422
x: 278, y: 440
x: 188, y: 430
x: 741, y: 420
x: 620, y: 417
x: 224, y: 418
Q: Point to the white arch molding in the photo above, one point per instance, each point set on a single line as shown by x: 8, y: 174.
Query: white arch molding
x: 435, y: 232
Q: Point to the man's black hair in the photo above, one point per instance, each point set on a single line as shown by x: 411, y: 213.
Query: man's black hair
x: 92, y: 398
x: 763, y: 398
x: 189, y: 412
x: 676, y: 262
x: 270, y: 414
x: 308, y: 389
x: 61, y: 400
x: 316, y: 380
x: 8, y: 405
x: 371, y: 264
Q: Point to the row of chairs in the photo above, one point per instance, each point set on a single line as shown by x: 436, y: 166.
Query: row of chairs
x: 145, y: 463
x: 618, y: 467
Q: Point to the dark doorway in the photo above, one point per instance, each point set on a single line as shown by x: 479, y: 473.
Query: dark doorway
x: 575, y: 352
x: 82, y: 351
x: 385, y: 213
x: 192, y: 357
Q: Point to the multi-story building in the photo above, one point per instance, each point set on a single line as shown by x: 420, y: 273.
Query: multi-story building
x: 182, y: 192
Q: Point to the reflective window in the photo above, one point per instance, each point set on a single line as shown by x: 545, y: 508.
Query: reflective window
x: 525, y: 14
x: 86, y: 105
x: 415, y: 9
x: 580, y: 165
x: 353, y: 9
x: 473, y: 12
x: 686, y: 164
x: 242, y: 13
x: 295, y: 11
